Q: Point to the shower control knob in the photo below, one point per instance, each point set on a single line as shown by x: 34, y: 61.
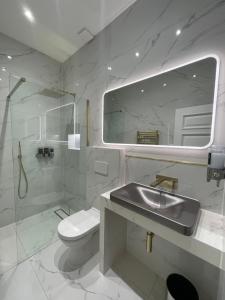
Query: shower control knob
x: 40, y: 153
x: 45, y: 152
x: 51, y: 152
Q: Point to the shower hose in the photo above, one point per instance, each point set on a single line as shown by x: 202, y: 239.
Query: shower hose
x: 21, y: 172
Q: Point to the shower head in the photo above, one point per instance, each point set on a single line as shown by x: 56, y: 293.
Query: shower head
x: 18, y: 84
x: 53, y: 93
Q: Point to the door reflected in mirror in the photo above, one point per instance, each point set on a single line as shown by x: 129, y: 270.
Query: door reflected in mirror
x: 173, y: 108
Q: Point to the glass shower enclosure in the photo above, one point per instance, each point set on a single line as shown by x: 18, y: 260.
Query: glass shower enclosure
x: 41, y: 121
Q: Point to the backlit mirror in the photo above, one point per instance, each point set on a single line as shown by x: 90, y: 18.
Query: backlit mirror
x: 173, y: 108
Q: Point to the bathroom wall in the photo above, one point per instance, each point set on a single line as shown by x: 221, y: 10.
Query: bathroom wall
x: 39, y: 69
x: 149, y: 27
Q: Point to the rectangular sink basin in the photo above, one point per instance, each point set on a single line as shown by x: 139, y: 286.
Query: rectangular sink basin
x: 177, y: 212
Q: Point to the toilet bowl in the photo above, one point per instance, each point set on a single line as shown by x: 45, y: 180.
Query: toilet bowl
x: 80, y: 234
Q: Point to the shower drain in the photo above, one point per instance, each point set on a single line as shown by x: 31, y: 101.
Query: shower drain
x: 61, y: 213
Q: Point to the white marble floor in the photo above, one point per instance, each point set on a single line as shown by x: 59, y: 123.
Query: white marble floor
x: 38, y: 231
x: 22, y: 240
x: 46, y: 274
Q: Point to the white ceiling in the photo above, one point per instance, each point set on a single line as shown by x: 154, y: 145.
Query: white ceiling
x: 57, y: 22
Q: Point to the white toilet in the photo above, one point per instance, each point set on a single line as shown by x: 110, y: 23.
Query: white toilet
x: 80, y: 233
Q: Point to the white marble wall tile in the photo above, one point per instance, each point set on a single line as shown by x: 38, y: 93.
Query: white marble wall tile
x: 7, y: 208
x: 28, y: 62
x: 149, y: 27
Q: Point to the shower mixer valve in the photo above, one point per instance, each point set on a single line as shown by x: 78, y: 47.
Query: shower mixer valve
x: 45, y: 152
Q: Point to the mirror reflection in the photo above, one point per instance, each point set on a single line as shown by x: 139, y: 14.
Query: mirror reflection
x: 173, y: 108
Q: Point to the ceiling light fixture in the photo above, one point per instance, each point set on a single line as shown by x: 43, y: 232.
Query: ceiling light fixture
x: 178, y: 32
x: 194, y: 75
x: 109, y: 68
x: 142, y: 91
x: 9, y: 57
x: 0, y: 79
x: 3, y: 69
x: 164, y: 84
x: 28, y: 14
x: 137, y: 54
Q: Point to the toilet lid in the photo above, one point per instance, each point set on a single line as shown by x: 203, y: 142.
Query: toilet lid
x: 79, y: 224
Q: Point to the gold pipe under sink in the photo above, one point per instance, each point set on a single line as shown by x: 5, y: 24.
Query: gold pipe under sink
x: 149, y: 240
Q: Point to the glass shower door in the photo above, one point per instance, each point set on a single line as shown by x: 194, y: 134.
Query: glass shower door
x: 37, y: 178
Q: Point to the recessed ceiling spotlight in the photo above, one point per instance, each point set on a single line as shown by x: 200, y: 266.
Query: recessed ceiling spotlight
x: 3, y: 69
x: 137, y: 54
x: 28, y: 14
x: 9, y: 57
x: 194, y: 75
x: 164, y: 84
x: 142, y: 91
x: 109, y: 68
x: 0, y: 79
x: 178, y: 32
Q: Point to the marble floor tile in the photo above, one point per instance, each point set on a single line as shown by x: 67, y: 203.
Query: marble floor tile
x: 87, y: 282
x: 48, y: 275
x: 38, y: 231
x: 21, y: 283
x: 11, y: 250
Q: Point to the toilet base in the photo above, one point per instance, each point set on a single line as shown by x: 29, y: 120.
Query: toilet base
x: 80, y: 251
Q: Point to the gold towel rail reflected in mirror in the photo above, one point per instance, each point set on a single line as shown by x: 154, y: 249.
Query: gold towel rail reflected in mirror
x: 148, y: 137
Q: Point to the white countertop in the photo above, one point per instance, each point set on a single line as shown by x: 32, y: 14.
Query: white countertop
x: 207, y: 242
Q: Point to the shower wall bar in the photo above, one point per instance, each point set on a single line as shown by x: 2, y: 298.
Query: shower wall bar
x: 18, y: 84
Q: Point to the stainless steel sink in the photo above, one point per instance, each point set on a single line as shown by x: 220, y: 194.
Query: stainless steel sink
x: 175, y: 211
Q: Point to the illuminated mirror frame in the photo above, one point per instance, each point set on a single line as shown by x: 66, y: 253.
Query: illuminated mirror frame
x: 154, y: 75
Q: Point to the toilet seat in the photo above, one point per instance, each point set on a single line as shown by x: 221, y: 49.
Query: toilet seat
x: 79, y: 224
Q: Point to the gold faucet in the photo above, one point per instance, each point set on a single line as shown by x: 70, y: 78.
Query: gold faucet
x: 165, y: 182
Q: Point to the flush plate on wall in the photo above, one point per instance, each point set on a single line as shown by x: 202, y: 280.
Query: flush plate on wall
x: 101, y: 167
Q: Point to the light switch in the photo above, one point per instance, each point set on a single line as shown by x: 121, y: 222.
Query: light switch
x: 101, y: 167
